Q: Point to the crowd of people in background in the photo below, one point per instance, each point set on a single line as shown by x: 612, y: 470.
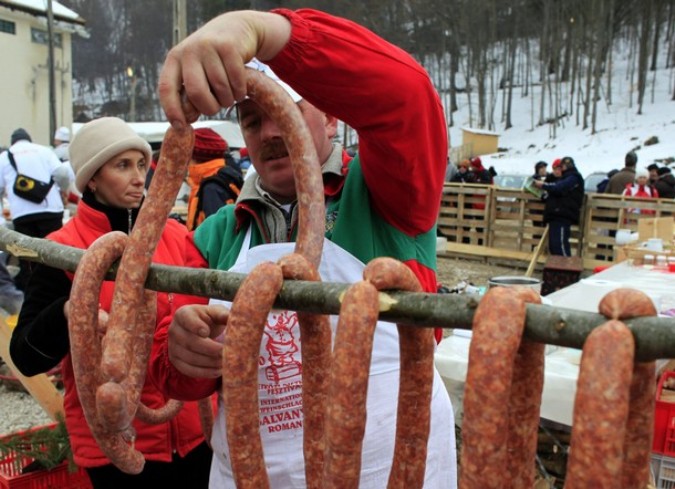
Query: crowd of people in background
x: 563, y: 189
x: 470, y: 171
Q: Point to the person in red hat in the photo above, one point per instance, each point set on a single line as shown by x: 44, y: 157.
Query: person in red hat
x: 563, y: 201
x: 481, y: 174
x: 244, y: 159
x: 213, y: 181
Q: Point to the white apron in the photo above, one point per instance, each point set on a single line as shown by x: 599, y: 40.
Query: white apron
x: 280, y: 398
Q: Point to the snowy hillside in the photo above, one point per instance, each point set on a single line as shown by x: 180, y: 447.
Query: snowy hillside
x: 619, y: 129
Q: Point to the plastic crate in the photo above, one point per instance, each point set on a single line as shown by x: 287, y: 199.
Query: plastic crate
x: 12, y: 463
x: 663, y: 470
x: 664, y: 421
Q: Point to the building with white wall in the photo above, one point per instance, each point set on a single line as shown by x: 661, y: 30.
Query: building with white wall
x: 24, y: 72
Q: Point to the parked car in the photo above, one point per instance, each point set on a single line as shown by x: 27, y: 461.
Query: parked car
x: 593, y: 179
x: 510, y: 180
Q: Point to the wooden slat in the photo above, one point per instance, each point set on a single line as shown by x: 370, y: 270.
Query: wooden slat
x: 475, y: 250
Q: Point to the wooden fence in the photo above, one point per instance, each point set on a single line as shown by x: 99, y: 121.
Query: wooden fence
x: 507, y: 224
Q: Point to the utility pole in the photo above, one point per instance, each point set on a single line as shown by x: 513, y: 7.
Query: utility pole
x: 179, y: 21
x: 50, y: 70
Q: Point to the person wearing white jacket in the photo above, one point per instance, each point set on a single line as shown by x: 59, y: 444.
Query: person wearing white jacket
x: 30, y: 218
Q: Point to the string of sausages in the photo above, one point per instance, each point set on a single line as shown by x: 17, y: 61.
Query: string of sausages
x: 110, y: 373
x: 614, y: 406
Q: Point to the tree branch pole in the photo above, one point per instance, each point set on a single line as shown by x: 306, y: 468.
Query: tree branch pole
x: 654, y: 337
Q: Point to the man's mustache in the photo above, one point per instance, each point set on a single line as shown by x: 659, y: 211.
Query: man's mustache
x: 273, y: 149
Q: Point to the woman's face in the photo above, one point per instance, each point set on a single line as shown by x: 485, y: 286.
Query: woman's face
x: 641, y: 180
x: 121, y: 181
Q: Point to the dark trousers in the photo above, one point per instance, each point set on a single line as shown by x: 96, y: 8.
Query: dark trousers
x: 36, y: 226
x: 559, y: 238
x: 191, y: 471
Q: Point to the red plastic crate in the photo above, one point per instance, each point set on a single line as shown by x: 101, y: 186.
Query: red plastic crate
x: 664, y: 421
x: 12, y: 463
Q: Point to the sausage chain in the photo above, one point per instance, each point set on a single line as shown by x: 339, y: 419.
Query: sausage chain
x: 110, y: 378
x: 504, y: 374
x: 601, y: 408
x: 255, y: 298
x: 86, y: 354
x: 416, y: 345
x: 618, y: 452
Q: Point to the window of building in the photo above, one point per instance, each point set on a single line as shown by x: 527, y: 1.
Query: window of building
x: 42, y: 37
x: 7, y: 26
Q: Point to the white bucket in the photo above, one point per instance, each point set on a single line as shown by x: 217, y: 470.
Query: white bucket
x: 441, y: 244
x: 515, y: 281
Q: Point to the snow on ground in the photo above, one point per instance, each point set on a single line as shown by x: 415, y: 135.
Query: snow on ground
x: 619, y: 129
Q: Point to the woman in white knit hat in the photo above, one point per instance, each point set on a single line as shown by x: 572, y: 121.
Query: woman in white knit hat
x: 110, y: 162
x: 641, y: 189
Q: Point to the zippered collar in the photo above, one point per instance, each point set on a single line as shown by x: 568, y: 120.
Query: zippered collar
x: 120, y: 219
x: 252, y: 199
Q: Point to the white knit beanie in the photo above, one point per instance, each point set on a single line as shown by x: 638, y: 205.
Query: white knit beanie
x: 97, y: 142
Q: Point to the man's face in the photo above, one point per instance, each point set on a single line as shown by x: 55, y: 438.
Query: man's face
x: 541, y: 171
x: 557, y: 171
x: 268, y: 151
x: 653, y: 174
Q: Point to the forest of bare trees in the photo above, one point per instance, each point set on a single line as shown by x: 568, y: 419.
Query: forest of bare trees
x: 562, y: 49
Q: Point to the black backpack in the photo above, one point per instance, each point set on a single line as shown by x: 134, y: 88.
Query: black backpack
x: 227, y: 182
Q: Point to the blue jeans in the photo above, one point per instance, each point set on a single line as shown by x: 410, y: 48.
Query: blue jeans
x: 559, y: 238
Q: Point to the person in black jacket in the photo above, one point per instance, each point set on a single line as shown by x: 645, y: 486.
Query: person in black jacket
x: 665, y: 184
x: 564, y: 199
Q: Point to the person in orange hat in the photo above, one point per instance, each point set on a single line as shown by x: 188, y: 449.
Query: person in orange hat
x: 463, y: 175
x: 213, y: 181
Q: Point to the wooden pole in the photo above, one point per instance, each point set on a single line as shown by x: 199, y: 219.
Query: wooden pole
x: 654, y: 337
x: 537, y: 252
x: 39, y: 386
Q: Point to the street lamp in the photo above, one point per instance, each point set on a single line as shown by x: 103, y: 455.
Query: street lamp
x: 132, y: 105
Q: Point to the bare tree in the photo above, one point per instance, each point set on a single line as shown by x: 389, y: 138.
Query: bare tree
x: 643, y: 57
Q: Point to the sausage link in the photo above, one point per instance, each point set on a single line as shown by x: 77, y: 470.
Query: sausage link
x: 306, y: 167
x: 205, y: 409
x: 626, y: 304
x: 640, y: 426
x: 161, y: 415
x: 111, y: 406
x: 133, y: 384
x: 315, y: 334
x: 346, y: 416
x: 241, y: 347
x: 498, y: 325
x: 133, y: 270
x: 601, y: 408
x: 416, y: 345
x: 524, y: 405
